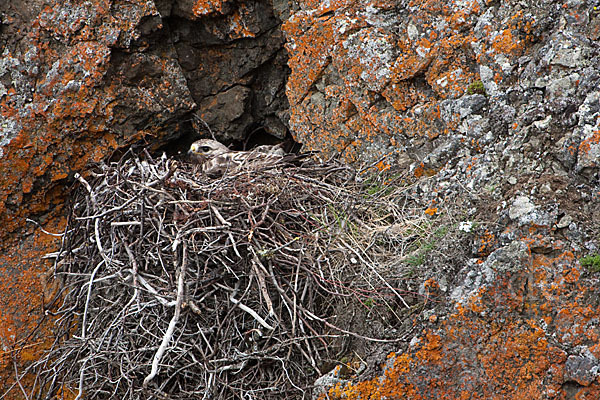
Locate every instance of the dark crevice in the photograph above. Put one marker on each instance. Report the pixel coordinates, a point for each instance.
(214, 64)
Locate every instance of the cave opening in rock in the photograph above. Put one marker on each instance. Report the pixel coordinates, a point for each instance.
(233, 78)
(236, 68)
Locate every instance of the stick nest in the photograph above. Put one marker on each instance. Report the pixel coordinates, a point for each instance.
(180, 286)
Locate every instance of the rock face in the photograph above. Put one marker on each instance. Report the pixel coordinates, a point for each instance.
(233, 59)
(492, 106)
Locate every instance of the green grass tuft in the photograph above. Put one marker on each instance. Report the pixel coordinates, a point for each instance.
(591, 262)
(476, 88)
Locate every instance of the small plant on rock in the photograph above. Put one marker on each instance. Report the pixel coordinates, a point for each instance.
(476, 88)
(591, 262)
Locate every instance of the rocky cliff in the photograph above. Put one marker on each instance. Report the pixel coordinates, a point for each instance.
(492, 106)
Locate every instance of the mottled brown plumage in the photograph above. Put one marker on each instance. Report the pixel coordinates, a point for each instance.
(215, 159)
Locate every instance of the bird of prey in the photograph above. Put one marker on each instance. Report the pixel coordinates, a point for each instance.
(216, 159)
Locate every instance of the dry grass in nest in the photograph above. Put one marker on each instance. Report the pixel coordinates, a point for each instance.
(179, 286)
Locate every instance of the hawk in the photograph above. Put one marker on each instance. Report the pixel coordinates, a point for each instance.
(216, 159)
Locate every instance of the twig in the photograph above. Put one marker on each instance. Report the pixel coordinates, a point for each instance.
(219, 216)
(260, 276)
(87, 186)
(42, 229)
(87, 299)
(372, 268)
(14, 362)
(247, 309)
(169, 333)
(80, 391)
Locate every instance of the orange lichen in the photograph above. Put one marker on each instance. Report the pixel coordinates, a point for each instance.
(505, 42)
(383, 166)
(571, 275)
(586, 145)
(431, 211)
(237, 22)
(390, 384)
(431, 283)
(205, 7)
(487, 242)
(346, 45)
(20, 266)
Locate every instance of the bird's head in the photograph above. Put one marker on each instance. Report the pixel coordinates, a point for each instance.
(207, 148)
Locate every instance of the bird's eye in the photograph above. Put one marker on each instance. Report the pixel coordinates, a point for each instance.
(205, 149)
